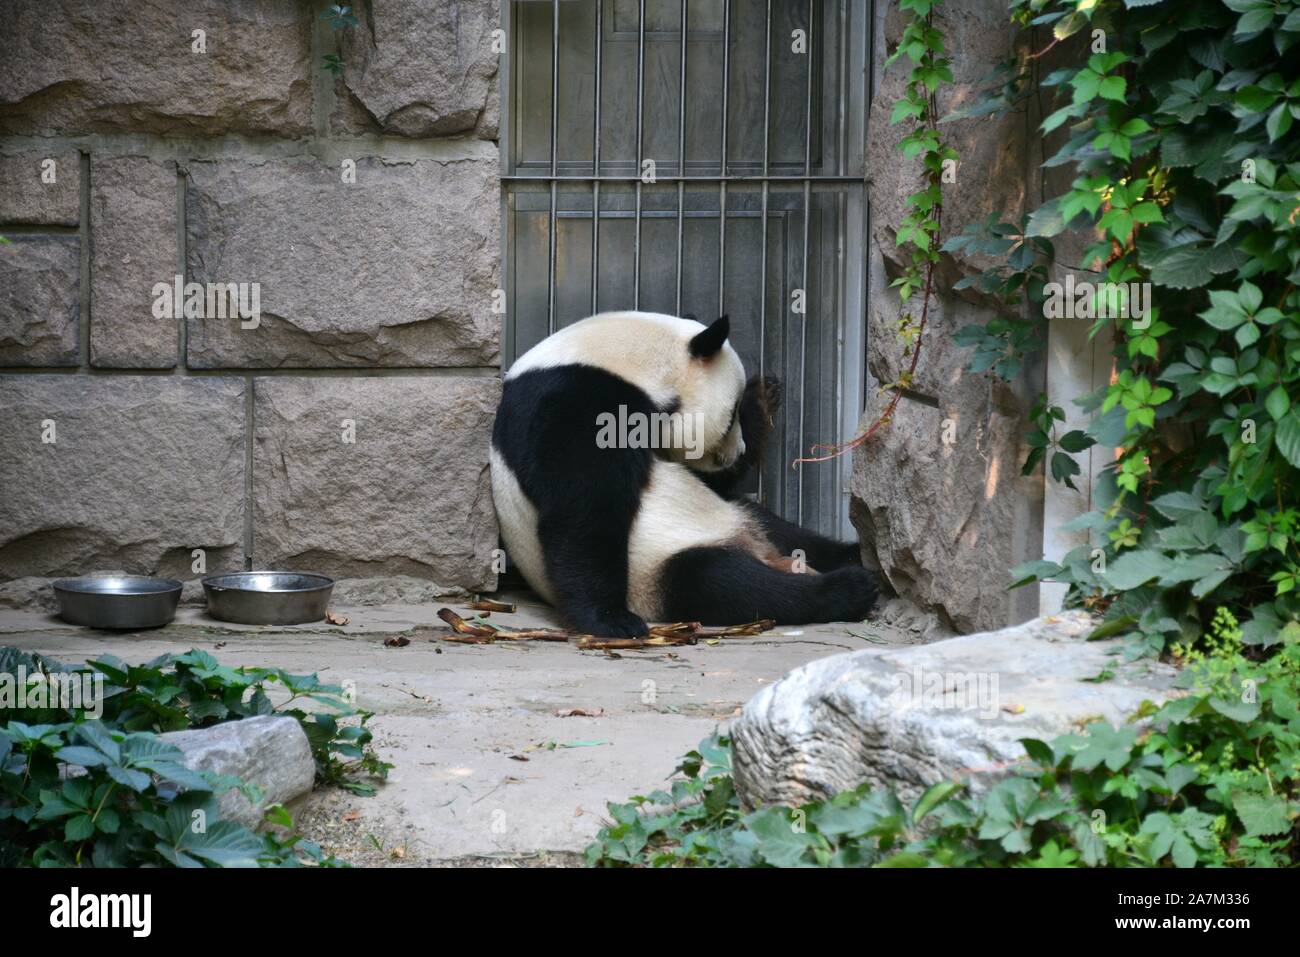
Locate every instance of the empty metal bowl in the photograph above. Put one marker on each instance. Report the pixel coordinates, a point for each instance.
(268, 598)
(121, 601)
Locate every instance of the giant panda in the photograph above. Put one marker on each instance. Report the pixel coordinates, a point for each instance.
(615, 535)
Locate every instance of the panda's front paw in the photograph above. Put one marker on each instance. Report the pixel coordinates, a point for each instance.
(610, 624)
(771, 394)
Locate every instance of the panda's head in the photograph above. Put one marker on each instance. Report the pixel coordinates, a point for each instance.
(709, 389)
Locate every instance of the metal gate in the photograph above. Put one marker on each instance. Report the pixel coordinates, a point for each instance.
(705, 157)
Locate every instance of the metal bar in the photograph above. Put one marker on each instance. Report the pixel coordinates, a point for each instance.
(839, 473)
(509, 326)
(807, 211)
(762, 229)
(722, 165)
(767, 120)
(773, 178)
(555, 111)
(681, 157)
(595, 172)
(640, 124)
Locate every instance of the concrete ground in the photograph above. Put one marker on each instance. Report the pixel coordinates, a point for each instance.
(484, 767)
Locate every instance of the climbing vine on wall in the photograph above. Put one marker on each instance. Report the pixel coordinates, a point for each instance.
(1177, 121)
(922, 44)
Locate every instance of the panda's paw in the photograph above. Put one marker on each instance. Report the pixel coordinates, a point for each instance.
(852, 593)
(771, 394)
(610, 624)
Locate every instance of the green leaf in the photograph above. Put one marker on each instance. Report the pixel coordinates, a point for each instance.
(1113, 88)
(78, 828)
(1237, 709)
(934, 795)
(1134, 568)
(1277, 403)
(1262, 814)
(1287, 438)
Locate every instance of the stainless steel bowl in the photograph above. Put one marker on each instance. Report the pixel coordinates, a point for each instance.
(268, 598)
(122, 601)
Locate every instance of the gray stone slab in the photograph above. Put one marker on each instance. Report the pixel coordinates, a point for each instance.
(102, 66)
(398, 268)
(40, 301)
(134, 247)
(409, 495)
(40, 189)
(142, 470)
(420, 71)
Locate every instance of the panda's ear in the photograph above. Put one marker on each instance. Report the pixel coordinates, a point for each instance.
(705, 345)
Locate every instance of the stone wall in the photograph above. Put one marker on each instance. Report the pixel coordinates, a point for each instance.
(343, 427)
(937, 495)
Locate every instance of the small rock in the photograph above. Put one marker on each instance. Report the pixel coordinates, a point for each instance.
(270, 752)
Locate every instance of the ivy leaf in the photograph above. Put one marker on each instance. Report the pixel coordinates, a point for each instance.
(778, 841)
(1277, 403)
(1236, 709)
(78, 828)
(1104, 744)
(1178, 836)
(1278, 122)
(1113, 88)
(1287, 438)
(1135, 568)
(1262, 814)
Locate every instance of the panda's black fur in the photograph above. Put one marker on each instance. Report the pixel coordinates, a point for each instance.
(581, 502)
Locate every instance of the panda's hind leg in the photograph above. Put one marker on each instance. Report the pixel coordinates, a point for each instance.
(728, 586)
(819, 552)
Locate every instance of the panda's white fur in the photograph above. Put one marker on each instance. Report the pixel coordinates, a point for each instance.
(649, 350)
(677, 511)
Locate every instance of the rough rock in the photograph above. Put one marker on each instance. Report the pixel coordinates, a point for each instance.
(133, 247)
(923, 626)
(409, 496)
(993, 150)
(142, 470)
(40, 301)
(909, 717)
(391, 590)
(27, 197)
(419, 71)
(423, 234)
(938, 499)
(103, 66)
(269, 752)
(32, 593)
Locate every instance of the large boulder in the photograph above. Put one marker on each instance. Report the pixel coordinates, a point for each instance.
(269, 752)
(937, 496)
(939, 503)
(911, 716)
